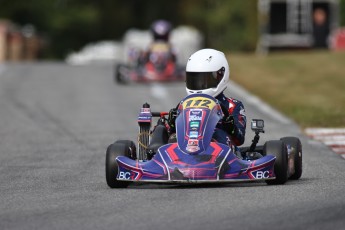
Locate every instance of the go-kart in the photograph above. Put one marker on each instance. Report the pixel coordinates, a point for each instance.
(193, 156)
(157, 66)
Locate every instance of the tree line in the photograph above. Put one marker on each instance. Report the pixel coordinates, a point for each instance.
(67, 25)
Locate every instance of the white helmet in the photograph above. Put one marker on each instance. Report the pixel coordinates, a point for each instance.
(207, 72)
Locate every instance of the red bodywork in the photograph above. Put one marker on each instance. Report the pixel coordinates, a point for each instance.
(157, 72)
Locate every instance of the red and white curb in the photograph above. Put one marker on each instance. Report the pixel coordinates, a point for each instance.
(334, 138)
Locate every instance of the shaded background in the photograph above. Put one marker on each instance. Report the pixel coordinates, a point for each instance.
(67, 25)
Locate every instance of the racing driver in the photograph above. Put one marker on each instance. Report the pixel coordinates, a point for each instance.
(207, 72)
(160, 31)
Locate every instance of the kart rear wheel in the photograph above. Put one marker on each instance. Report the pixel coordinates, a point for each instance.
(111, 166)
(278, 149)
(296, 145)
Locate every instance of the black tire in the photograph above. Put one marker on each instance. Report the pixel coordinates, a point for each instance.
(111, 166)
(278, 149)
(119, 77)
(296, 145)
(132, 153)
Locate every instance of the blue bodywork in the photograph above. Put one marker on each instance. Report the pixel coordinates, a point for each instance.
(195, 157)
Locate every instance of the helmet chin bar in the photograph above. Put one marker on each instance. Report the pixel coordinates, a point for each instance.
(192, 92)
(210, 92)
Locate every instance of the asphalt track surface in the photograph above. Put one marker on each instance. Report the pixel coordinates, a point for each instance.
(56, 122)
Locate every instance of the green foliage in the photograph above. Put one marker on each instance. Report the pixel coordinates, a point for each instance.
(342, 12)
(70, 24)
(226, 24)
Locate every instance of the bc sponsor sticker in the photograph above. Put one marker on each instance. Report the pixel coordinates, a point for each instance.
(261, 174)
(124, 175)
(127, 175)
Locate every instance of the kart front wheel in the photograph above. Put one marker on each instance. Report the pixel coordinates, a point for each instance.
(120, 78)
(111, 166)
(278, 149)
(296, 147)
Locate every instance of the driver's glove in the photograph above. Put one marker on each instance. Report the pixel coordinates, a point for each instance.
(172, 119)
(229, 124)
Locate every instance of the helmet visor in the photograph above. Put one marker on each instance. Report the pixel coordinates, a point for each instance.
(200, 81)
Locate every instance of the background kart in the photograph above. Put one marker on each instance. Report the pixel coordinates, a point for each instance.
(193, 157)
(159, 65)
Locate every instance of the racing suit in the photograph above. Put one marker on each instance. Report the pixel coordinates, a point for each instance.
(232, 128)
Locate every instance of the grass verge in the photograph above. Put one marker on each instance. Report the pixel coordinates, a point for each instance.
(308, 87)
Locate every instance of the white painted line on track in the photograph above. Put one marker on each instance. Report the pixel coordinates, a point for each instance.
(339, 150)
(332, 137)
(325, 131)
(332, 142)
